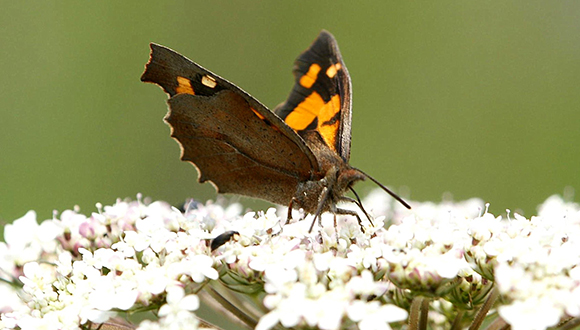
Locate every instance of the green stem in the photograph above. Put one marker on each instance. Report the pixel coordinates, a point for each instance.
(424, 315)
(415, 313)
(498, 324)
(239, 315)
(570, 324)
(457, 321)
(482, 313)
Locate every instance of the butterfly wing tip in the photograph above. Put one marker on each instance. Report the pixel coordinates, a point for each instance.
(146, 73)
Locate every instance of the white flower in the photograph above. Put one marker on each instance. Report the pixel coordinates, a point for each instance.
(38, 280)
(177, 312)
(198, 267)
(135, 240)
(26, 239)
(449, 264)
(11, 301)
(79, 269)
(374, 316)
(153, 279)
(328, 310)
(177, 302)
(531, 314)
(277, 277)
(64, 263)
(364, 258)
(111, 292)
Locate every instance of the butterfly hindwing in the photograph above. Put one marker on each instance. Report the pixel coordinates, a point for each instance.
(321, 97)
(219, 128)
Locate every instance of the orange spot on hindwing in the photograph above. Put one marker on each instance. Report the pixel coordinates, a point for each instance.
(184, 86)
(313, 107)
(329, 121)
(305, 113)
(332, 70)
(309, 78)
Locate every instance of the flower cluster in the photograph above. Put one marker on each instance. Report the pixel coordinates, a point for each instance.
(534, 262)
(75, 271)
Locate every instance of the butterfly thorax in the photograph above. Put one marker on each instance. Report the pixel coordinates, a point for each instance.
(334, 178)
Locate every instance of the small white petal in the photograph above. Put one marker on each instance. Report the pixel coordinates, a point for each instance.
(268, 321)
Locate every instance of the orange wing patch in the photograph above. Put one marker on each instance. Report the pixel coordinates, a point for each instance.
(305, 113)
(313, 107)
(333, 70)
(321, 97)
(184, 86)
(328, 122)
(262, 118)
(258, 114)
(309, 78)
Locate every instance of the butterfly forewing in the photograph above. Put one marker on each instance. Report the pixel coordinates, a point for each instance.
(321, 97)
(233, 140)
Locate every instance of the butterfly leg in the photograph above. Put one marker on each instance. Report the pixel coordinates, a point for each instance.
(336, 230)
(290, 206)
(359, 204)
(350, 212)
(323, 199)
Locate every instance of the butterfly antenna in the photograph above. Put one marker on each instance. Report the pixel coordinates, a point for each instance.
(395, 196)
(359, 204)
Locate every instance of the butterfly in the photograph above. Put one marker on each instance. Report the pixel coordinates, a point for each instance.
(297, 155)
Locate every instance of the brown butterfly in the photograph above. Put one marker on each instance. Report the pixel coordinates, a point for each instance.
(297, 156)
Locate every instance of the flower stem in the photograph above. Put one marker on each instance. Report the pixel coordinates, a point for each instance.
(457, 321)
(484, 309)
(424, 314)
(418, 314)
(498, 324)
(238, 315)
(570, 324)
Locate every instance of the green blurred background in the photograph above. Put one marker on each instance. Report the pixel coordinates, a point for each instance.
(473, 98)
